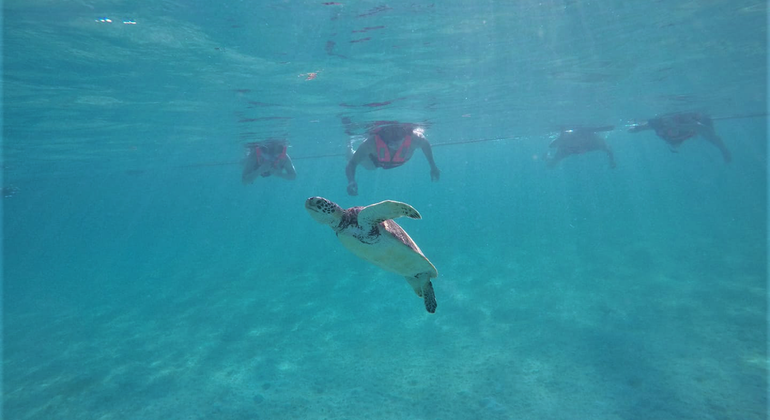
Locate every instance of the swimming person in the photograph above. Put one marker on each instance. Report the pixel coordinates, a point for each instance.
(675, 128)
(265, 159)
(576, 141)
(388, 145)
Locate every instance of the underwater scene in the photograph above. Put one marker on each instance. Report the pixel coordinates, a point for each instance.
(486, 210)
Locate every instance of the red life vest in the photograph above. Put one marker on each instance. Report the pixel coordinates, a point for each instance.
(384, 159)
(276, 161)
(671, 130)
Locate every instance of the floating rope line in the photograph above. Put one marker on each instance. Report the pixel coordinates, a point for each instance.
(449, 143)
(735, 117)
(319, 156)
(200, 165)
(452, 143)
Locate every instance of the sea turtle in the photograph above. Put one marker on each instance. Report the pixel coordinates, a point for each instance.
(371, 234)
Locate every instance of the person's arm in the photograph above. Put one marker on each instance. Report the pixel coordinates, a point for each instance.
(250, 172)
(424, 144)
(287, 169)
(552, 158)
(610, 155)
(350, 169)
(709, 134)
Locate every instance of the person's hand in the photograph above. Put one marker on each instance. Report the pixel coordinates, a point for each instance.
(613, 165)
(261, 169)
(435, 174)
(352, 188)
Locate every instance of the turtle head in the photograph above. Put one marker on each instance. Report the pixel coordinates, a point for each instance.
(324, 211)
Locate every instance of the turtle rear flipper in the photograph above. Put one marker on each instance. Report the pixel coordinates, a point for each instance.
(386, 210)
(429, 297)
(424, 289)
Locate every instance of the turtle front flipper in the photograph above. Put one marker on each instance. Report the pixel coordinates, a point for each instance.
(386, 210)
(424, 288)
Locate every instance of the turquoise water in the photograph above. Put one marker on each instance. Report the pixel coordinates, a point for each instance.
(142, 280)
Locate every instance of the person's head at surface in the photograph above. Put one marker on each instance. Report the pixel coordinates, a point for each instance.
(394, 132)
(274, 147)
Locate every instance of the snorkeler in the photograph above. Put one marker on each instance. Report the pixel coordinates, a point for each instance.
(675, 128)
(265, 159)
(10, 191)
(388, 145)
(576, 141)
